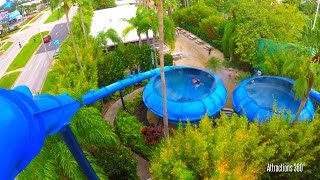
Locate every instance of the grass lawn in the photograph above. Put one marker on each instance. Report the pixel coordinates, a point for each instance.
(6, 46)
(55, 15)
(26, 27)
(49, 83)
(26, 52)
(5, 37)
(8, 80)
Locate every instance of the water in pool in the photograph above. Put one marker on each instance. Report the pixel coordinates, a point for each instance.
(268, 91)
(186, 84)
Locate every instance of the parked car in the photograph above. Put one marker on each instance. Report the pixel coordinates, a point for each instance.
(56, 52)
(47, 39)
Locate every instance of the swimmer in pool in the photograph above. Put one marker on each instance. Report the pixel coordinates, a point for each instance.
(197, 82)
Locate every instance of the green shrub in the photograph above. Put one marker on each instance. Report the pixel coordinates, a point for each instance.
(117, 162)
(192, 15)
(103, 4)
(145, 58)
(132, 104)
(236, 149)
(128, 128)
(210, 26)
(110, 69)
(214, 64)
(241, 76)
(196, 16)
(168, 60)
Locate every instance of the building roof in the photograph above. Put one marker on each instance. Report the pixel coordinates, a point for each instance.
(113, 18)
(31, 2)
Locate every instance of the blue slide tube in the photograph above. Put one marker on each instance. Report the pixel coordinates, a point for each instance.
(26, 120)
(92, 96)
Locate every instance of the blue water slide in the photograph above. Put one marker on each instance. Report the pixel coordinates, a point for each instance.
(94, 95)
(26, 120)
(186, 101)
(256, 97)
(315, 95)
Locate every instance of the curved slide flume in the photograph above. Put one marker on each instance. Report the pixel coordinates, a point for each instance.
(315, 95)
(26, 120)
(94, 95)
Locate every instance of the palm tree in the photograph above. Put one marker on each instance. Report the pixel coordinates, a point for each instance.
(308, 73)
(80, 3)
(66, 10)
(135, 23)
(170, 5)
(102, 38)
(169, 30)
(163, 80)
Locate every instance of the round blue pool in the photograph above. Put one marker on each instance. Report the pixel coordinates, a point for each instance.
(258, 97)
(191, 92)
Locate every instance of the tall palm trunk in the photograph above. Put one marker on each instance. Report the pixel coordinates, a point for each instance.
(83, 27)
(147, 34)
(106, 47)
(154, 48)
(65, 6)
(163, 80)
(303, 100)
(140, 41)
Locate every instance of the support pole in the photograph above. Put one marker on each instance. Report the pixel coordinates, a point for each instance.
(74, 147)
(122, 101)
(315, 18)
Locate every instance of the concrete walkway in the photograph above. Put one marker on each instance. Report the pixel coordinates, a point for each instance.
(143, 165)
(112, 112)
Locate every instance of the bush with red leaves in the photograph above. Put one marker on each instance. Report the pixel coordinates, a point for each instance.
(152, 134)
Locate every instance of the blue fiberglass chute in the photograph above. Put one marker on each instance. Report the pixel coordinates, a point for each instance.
(26, 120)
(257, 96)
(186, 100)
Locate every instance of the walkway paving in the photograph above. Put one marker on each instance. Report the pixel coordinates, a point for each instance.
(143, 165)
(111, 113)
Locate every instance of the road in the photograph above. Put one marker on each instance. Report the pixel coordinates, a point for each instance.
(24, 36)
(59, 32)
(35, 72)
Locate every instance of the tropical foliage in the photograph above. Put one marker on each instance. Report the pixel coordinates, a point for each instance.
(271, 21)
(146, 20)
(97, 138)
(128, 128)
(298, 63)
(102, 4)
(235, 149)
(112, 66)
(200, 19)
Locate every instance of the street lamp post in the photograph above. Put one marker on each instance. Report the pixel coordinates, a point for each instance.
(45, 48)
(315, 18)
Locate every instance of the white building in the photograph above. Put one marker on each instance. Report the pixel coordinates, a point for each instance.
(113, 18)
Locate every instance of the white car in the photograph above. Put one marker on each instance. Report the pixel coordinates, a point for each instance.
(56, 52)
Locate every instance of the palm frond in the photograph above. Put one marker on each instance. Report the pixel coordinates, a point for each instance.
(126, 31)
